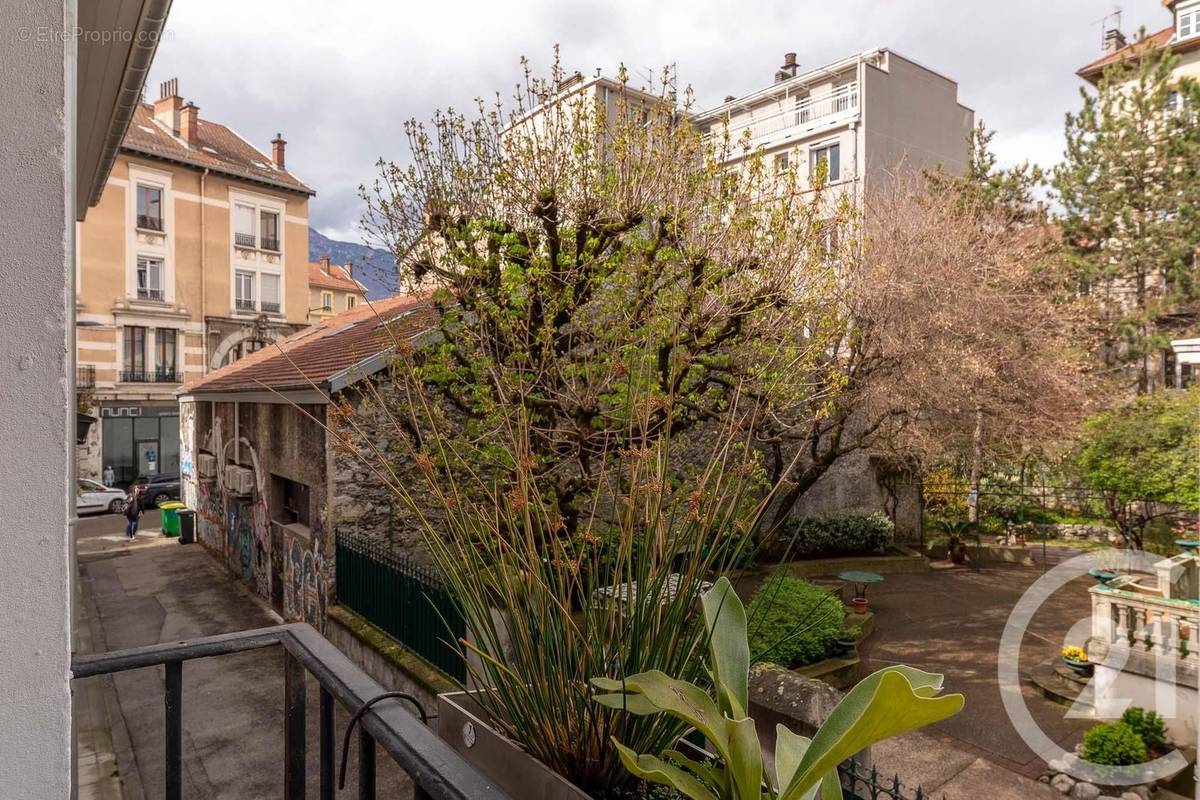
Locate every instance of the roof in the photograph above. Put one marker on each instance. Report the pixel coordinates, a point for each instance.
(217, 148)
(1134, 50)
(329, 355)
(324, 275)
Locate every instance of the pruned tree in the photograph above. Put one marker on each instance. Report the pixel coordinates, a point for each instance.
(588, 249)
(1130, 190)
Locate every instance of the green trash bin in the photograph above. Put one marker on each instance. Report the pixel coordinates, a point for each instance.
(170, 517)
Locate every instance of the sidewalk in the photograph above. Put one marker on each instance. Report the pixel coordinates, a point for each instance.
(154, 590)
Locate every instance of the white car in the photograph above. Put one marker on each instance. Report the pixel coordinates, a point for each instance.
(91, 497)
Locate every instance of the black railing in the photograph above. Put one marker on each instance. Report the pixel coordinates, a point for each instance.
(270, 243)
(269, 308)
(161, 375)
(85, 376)
(437, 771)
(244, 304)
(860, 782)
(150, 294)
(245, 240)
(405, 600)
(150, 223)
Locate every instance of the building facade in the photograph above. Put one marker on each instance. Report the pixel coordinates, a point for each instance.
(332, 289)
(195, 255)
(866, 115)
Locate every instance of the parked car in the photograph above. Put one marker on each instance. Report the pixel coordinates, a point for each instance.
(92, 497)
(154, 489)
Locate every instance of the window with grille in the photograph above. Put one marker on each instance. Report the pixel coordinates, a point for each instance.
(166, 341)
(269, 230)
(135, 353)
(243, 226)
(270, 292)
(149, 207)
(243, 287)
(149, 278)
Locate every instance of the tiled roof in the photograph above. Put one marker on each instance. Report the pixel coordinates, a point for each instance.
(331, 276)
(217, 147)
(1133, 50)
(319, 352)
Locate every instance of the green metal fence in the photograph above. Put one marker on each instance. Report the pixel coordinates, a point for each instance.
(406, 600)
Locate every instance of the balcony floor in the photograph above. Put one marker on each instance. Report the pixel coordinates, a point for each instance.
(154, 591)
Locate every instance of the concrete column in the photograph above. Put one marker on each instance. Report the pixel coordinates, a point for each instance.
(37, 397)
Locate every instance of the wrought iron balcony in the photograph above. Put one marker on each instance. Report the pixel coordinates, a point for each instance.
(245, 240)
(270, 243)
(269, 308)
(85, 376)
(150, 222)
(437, 771)
(150, 294)
(160, 375)
(244, 304)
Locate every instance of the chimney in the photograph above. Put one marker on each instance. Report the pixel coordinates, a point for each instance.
(168, 105)
(789, 65)
(277, 147)
(189, 129)
(729, 98)
(1114, 40)
(325, 265)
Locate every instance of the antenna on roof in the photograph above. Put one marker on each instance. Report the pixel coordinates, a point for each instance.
(1113, 17)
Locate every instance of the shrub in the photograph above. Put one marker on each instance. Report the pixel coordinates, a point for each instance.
(849, 534)
(792, 622)
(1114, 744)
(1148, 725)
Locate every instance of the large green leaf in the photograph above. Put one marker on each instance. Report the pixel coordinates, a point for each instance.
(680, 699)
(712, 773)
(887, 703)
(789, 749)
(658, 771)
(744, 762)
(729, 651)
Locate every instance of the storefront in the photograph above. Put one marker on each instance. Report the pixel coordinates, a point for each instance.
(139, 440)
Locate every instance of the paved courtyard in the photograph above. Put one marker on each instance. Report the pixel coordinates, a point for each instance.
(155, 590)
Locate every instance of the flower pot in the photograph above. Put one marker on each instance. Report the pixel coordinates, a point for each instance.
(1082, 668)
(859, 604)
(843, 648)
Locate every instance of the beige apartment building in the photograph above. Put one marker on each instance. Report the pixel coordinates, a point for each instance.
(195, 254)
(866, 115)
(332, 289)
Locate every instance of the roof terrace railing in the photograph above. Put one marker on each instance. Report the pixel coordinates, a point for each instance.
(437, 771)
(795, 117)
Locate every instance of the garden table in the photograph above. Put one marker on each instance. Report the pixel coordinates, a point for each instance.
(1189, 545)
(627, 593)
(860, 580)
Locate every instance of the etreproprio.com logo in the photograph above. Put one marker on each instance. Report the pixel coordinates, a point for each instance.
(1114, 659)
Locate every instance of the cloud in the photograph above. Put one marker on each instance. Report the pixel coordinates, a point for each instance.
(339, 80)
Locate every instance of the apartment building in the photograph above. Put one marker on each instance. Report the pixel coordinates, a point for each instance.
(195, 255)
(332, 289)
(866, 115)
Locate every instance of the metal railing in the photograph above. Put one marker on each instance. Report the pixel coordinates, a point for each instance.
(407, 601)
(866, 783)
(245, 240)
(162, 375)
(85, 376)
(437, 771)
(269, 308)
(806, 115)
(244, 304)
(149, 222)
(150, 294)
(270, 243)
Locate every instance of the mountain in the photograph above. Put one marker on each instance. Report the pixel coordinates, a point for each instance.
(375, 269)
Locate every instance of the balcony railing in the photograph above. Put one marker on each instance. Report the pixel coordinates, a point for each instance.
(245, 240)
(807, 115)
(244, 304)
(150, 294)
(437, 771)
(161, 375)
(149, 222)
(270, 243)
(85, 376)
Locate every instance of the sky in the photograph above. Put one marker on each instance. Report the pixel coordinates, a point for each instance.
(338, 79)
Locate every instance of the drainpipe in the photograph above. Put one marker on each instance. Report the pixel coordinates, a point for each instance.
(203, 282)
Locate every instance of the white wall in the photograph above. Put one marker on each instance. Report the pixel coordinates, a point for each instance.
(36, 400)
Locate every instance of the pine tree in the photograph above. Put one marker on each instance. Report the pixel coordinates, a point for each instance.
(1130, 191)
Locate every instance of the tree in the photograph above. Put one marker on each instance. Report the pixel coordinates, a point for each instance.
(591, 258)
(1142, 457)
(1130, 189)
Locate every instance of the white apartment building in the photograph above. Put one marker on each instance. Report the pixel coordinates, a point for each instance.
(867, 114)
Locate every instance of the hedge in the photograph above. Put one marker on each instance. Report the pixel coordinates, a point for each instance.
(793, 622)
(849, 534)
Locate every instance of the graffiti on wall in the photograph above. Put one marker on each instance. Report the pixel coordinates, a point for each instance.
(305, 578)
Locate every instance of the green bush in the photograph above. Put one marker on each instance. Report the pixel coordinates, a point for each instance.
(1113, 744)
(849, 534)
(792, 622)
(1148, 725)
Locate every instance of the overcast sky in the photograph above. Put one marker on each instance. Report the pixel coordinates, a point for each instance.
(339, 79)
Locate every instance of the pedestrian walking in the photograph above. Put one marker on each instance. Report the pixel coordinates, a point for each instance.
(109, 476)
(133, 511)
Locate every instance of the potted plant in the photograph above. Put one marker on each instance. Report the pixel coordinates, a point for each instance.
(845, 645)
(956, 531)
(1077, 659)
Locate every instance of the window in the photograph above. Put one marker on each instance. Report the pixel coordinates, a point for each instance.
(270, 293)
(243, 287)
(269, 230)
(1188, 22)
(828, 240)
(781, 162)
(243, 226)
(327, 301)
(832, 155)
(350, 301)
(135, 354)
(165, 341)
(149, 278)
(149, 207)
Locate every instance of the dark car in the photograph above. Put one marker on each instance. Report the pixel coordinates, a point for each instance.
(155, 489)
